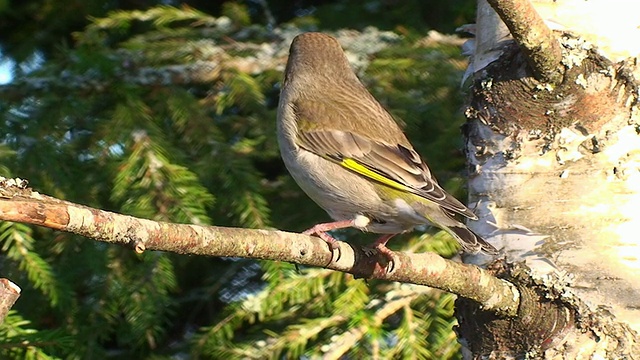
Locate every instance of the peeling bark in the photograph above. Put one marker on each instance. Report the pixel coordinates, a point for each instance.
(556, 179)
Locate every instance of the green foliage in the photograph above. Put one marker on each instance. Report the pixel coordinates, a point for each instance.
(19, 341)
(318, 312)
(403, 16)
(18, 246)
(238, 13)
(34, 29)
(169, 113)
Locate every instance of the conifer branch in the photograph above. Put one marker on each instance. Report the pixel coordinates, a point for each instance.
(18, 203)
(201, 72)
(350, 338)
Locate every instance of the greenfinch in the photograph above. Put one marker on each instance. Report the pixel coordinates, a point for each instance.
(350, 156)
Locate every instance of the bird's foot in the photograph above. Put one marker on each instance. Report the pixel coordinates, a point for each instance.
(380, 247)
(333, 243)
(320, 231)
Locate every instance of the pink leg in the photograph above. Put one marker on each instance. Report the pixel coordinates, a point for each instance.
(380, 246)
(321, 229)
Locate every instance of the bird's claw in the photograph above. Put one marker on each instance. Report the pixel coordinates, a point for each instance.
(384, 251)
(333, 243)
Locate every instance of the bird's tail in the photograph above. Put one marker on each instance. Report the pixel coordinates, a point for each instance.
(470, 241)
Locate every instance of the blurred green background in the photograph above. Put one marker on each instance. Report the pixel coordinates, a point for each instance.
(166, 110)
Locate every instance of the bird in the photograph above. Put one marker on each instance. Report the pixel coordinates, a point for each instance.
(350, 156)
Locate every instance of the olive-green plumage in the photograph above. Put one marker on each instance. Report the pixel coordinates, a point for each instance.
(350, 156)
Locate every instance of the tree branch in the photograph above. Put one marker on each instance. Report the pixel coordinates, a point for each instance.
(9, 294)
(537, 41)
(20, 204)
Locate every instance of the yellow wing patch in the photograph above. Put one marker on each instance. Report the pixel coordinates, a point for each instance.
(364, 171)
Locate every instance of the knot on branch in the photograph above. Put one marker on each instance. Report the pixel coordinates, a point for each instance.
(511, 101)
(542, 321)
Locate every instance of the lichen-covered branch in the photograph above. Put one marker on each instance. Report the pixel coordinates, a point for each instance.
(537, 41)
(20, 204)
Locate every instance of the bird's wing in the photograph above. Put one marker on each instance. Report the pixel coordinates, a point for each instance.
(393, 165)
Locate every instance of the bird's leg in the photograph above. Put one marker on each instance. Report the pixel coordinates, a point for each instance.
(321, 231)
(380, 247)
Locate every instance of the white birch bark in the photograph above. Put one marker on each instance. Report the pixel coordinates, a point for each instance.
(560, 188)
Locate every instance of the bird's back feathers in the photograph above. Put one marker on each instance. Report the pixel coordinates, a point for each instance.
(391, 165)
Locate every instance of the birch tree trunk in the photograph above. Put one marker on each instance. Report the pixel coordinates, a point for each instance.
(555, 172)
